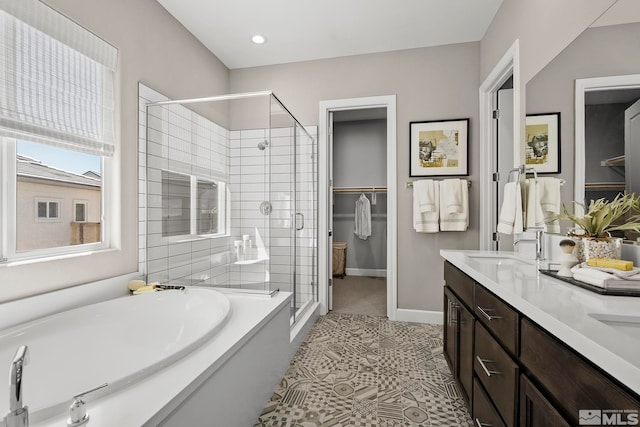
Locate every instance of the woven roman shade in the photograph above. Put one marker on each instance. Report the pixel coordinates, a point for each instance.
(56, 80)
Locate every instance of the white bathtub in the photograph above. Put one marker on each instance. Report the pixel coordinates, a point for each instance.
(116, 342)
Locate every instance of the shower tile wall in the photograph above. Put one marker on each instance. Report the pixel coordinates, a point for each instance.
(249, 185)
(183, 142)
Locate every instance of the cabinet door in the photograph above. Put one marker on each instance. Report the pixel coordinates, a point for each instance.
(450, 331)
(535, 409)
(465, 350)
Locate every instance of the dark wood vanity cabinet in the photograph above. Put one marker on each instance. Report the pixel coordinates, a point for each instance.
(459, 329)
(513, 372)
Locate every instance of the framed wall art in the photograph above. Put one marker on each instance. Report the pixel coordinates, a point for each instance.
(439, 148)
(542, 144)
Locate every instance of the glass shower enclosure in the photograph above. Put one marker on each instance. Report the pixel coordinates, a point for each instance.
(231, 196)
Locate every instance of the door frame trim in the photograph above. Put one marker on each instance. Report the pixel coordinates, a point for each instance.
(388, 102)
(508, 65)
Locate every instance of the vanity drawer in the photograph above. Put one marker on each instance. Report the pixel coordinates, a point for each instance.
(572, 383)
(483, 411)
(459, 283)
(498, 373)
(498, 317)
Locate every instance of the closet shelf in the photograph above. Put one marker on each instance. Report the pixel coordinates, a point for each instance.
(604, 185)
(360, 189)
(617, 161)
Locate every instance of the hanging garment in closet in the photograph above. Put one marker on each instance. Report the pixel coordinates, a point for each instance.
(363, 218)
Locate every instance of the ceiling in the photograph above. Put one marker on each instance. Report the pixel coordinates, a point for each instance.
(303, 30)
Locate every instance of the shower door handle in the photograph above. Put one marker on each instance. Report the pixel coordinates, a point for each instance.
(302, 221)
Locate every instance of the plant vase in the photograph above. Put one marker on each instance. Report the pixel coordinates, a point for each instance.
(601, 247)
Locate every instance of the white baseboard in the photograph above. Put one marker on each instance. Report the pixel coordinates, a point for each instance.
(419, 316)
(378, 272)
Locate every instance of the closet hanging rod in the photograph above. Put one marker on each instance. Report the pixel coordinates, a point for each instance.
(360, 189)
(410, 183)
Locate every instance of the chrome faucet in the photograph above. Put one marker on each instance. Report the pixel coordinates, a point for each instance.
(18, 415)
(538, 241)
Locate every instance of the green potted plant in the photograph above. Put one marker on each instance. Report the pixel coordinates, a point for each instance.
(593, 236)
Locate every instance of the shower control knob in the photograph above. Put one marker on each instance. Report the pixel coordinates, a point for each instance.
(265, 208)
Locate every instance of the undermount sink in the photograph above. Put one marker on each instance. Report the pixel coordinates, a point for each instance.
(626, 324)
(497, 259)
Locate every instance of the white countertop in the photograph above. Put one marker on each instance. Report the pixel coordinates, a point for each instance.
(562, 309)
(136, 404)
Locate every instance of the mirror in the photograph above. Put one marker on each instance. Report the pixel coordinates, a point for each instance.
(590, 151)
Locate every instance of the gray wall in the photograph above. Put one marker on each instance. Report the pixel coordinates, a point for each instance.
(430, 84)
(360, 153)
(553, 88)
(543, 28)
(155, 49)
(360, 159)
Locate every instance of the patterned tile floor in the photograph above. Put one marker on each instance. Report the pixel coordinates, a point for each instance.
(366, 371)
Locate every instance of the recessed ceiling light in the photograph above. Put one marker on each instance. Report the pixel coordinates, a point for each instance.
(258, 39)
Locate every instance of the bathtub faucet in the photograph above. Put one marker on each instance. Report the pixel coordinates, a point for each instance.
(18, 415)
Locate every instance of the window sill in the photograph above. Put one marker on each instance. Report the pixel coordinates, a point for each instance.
(48, 258)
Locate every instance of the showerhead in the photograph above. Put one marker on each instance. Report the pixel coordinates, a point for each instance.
(263, 144)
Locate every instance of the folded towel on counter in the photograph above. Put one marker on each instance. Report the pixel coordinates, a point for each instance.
(450, 220)
(362, 224)
(593, 277)
(550, 201)
(596, 277)
(426, 191)
(633, 274)
(424, 220)
(510, 220)
(535, 217)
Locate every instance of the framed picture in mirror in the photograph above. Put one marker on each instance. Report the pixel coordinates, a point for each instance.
(439, 148)
(542, 145)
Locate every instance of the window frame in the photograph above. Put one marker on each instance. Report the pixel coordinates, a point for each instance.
(8, 213)
(84, 203)
(223, 205)
(48, 201)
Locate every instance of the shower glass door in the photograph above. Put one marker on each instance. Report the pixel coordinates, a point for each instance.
(294, 196)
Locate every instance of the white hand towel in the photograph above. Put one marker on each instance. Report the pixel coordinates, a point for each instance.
(427, 195)
(451, 196)
(633, 274)
(535, 217)
(423, 221)
(510, 221)
(591, 276)
(450, 221)
(550, 202)
(363, 218)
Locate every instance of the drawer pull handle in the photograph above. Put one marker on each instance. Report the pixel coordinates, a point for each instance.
(479, 424)
(484, 367)
(487, 315)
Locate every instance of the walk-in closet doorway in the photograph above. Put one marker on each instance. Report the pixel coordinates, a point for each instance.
(359, 176)
(360, 210)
